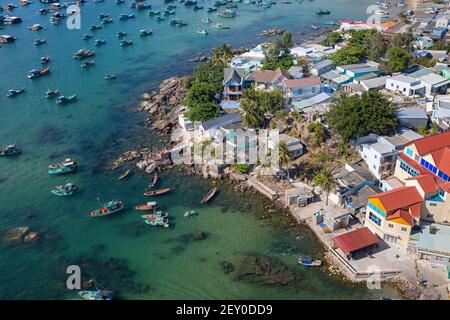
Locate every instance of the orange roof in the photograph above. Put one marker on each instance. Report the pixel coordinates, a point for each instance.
(441, 158)
(399, 198)
(429, 144)
(402, 214)
(388, 24)
(428, 182)
(445, 186)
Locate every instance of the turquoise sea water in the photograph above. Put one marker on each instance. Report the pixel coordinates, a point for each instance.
(148, 263)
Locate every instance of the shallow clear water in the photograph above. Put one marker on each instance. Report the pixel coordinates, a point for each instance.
(100, 125)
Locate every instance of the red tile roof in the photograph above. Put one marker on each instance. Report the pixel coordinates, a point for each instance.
(399, 198)
(441, 158)
(355, 240)
(445, 186)
(428, 182)
(414, 210)
(413, 163)
(403, 214)
(428, 144)
(302, 82)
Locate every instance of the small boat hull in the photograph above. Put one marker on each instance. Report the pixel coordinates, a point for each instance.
(156, 192)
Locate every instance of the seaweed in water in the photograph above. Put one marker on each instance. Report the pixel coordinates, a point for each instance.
(50, 135)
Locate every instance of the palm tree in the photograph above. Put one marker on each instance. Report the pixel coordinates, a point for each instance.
(326, 181)
(222, 54)
(251, 115)
(284, 155)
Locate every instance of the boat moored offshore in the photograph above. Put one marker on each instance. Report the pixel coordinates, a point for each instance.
(10, 150)
(68, 165)
(107, 209)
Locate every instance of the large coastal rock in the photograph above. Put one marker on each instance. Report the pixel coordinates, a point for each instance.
(266, 270)
(272, 32)
(18, 235)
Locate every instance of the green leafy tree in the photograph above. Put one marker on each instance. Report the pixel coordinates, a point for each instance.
(375, 46)
(317, 131)
(398, 59)
(404, 40)
(332, 38)
(358, 37)
(287, 40)
(348, 55)
(284, 155)
(252, 116)
(222, 55)
(326, 181)
(276, 56)
(203, 111)
(356, 116)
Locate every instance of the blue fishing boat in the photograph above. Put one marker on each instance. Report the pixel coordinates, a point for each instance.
(87, 36)
(68, 165)
(10, 150)
(38, 42)
(99, 42)
(322, 12)
(154, 13)
(12, 92)
(144, 32)
(64, 190)
(107, 21)
(51, 93)
(102, 16)
(309, 262)
(121, 34)
(66, 100)
(36, 73)
(127, 16)
(211, 9)
(126, 43)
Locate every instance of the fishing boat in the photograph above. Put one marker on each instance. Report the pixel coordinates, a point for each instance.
(109, 76)
(126, 16)
(43, 11)
(99, 42)
(154, 13)
(227, 14)
(87, 36)
(211, 9)
(36, 73)
(45, 59)
(68, 165)
(206, 20)
(10, 150)
(65, 100)
(107, 21)
(95, 27)
(162, 221)
(83, 53)
(190, 2)
(144, 32)
(120, 1)
(126, 43)
(87, 63)
(159, 19)
(197, 7)
(38, 42)
(203, 32)
(156, 192)
(231, 5)
(147, 206)
(322, 12)
(51, 93)
(124, 175)
(309, 262)
(211, 193)
(102, 16)
(141, 5)
(219, 3)
(36, 27)
(190, 213)
(65, 190)
(219, 26)
(157, 214)
(107, 209)
(13, 92)
(178, 22)
(121, 34)
(171, 6)
(168, 12)
(154, 181)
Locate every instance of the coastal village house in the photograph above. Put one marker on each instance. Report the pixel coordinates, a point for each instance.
(234, 82)
(424, 169)
(298, 89)
(406, 85)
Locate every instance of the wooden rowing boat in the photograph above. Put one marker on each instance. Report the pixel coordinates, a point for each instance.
(154, 180)
(156, 192)
(124, 175)
(147, 206)
(209, 195)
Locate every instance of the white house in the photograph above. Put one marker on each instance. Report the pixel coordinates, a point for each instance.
(296, 89)
(434, 83)
(412, 117)
(408, 86)
(379, 152)
(322, 67)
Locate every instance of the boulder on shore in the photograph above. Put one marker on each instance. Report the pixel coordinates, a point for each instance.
(16, 235)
